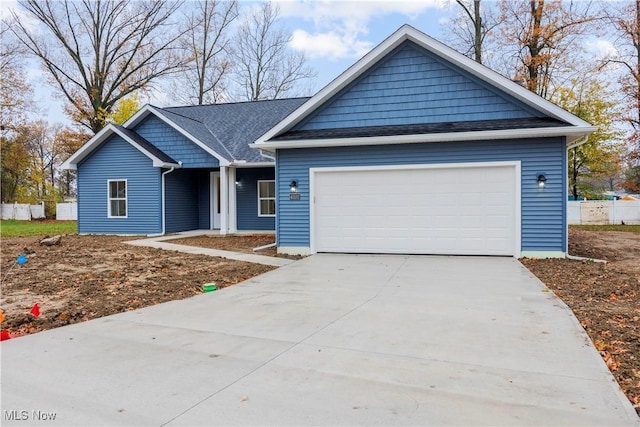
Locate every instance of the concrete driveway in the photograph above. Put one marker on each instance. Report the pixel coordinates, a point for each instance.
(329, 340)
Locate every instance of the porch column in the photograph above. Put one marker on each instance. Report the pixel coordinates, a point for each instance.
(233, 227)
(224, 200)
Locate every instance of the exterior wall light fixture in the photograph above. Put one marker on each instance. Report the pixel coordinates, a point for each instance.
(542, 181)
(293, 187)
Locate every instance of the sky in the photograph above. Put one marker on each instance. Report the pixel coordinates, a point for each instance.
(334, 34)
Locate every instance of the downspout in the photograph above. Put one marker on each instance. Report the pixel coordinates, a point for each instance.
(578, 142)
(268, 156)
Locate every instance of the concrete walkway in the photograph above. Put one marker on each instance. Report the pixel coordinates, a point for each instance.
(163, 242)
(328, 340)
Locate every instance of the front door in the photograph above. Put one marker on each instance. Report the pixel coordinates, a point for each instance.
(215, 200)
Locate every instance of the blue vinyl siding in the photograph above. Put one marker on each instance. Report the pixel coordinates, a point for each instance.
(413, 86)
(174, 144)
(182, 201)
(117, 159)
(543, 225)
(247, 199)
(204, 200)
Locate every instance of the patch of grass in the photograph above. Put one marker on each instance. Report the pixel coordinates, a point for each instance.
(628, 228)
(13, 228)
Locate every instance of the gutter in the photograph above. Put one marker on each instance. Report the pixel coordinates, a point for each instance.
(566, 131)
(243, 164)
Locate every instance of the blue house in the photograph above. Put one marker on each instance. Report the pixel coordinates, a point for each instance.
(182, 168)
(413, 149)
(418, 149)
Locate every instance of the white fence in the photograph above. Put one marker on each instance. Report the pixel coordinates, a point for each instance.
(598, 212)
(67, 211)
(22, 211)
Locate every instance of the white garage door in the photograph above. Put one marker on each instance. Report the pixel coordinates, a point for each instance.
(464, 210)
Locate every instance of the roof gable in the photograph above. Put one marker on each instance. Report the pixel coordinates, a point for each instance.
(158, 157)
(500, 86)
(412, 86)
(174, 122)
(168, 139)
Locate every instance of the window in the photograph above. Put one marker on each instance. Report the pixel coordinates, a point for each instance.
(266, 198)
(117, 198)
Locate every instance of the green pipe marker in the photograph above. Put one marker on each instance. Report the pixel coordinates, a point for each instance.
(209, 287)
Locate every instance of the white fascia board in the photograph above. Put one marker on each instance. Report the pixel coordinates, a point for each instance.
(205, 147)
(407, 32)
(571, 132)
(138, 116)
(252, 165)
(72, 162)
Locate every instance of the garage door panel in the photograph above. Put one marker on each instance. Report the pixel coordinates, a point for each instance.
(458, 210)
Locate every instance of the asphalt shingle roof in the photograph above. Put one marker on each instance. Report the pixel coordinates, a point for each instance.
(229, 128)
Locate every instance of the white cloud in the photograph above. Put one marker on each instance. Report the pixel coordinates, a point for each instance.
(9, 6)
(340, 28)
(330, 45)
(601, 48)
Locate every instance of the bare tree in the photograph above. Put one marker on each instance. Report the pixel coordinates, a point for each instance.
(625, 19)
(97, 52)
(546, 36)
(265, 66)
(15, 94)
(207, 44)
(471, 27)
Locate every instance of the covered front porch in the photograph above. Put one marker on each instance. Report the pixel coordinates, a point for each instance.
(228, 199)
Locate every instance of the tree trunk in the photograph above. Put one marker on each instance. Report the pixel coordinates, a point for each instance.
(477, 41)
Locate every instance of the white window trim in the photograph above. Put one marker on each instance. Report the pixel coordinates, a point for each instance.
(261, 215)
(109, 199)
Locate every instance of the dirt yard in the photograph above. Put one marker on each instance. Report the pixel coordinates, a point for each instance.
(86, 277)
(92, 276)
(604, 297)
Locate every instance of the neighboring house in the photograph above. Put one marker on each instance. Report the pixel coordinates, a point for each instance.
(418, 149)
(178, 169)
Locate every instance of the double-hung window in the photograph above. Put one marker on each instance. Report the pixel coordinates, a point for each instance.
(117, 195)
(266, 198)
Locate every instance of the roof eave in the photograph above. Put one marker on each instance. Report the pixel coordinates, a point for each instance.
(570, 132)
